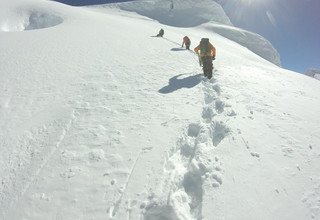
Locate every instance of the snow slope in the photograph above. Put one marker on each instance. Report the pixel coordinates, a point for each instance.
(190, 13)
(100, 123)
(179, 13)
(314, 73)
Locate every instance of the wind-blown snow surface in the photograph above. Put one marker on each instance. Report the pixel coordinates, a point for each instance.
(101, 121)
(190, 13)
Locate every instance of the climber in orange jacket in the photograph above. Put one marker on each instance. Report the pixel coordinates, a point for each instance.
(206, 52)
(205, 48)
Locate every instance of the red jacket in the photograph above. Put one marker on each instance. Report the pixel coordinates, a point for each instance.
(186, 40)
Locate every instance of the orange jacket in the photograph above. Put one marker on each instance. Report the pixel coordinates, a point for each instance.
(211, 52)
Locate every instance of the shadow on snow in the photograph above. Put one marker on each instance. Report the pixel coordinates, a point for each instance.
(175, 83)
(177, 49)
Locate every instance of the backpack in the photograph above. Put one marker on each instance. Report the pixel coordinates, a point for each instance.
(186, 40)
(204, 45)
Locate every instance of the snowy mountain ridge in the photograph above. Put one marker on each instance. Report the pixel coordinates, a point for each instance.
(178, 13)
(99, 120)
(191, 13)
(314, 73)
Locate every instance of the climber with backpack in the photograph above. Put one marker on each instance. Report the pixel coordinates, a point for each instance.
(161, 33)
(187, 42)
(206, 52)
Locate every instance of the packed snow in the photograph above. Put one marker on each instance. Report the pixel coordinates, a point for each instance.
(99, 120)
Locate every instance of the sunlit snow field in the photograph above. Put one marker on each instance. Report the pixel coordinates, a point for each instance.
(99, 120)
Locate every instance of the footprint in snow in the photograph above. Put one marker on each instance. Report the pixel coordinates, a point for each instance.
(231, 113)
(219, 106)
(70, 172)
(216, 88)
(207, 114)
(218, 132)
(194, 129)
(147, 149)
(216, 179)
(287, 151)
(255, 154)
(96, 155)
(209, 98)
(160, 212)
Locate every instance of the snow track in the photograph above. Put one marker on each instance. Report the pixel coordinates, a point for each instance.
(192, 165)
(113, 209)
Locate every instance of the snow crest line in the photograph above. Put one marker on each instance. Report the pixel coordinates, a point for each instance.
(192, 166)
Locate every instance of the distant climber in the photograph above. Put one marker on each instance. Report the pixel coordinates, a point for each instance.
(187, 42)
(171, 5)
(161, 33)
(206, 52)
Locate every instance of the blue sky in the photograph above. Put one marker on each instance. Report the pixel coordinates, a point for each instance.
(292, 26)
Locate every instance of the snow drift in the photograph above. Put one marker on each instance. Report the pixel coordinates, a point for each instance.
(24, 17)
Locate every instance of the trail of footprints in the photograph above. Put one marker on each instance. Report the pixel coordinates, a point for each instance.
(192, 165)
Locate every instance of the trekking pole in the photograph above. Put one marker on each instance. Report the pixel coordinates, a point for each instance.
(200, 61)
